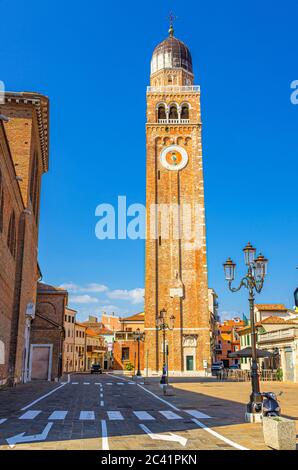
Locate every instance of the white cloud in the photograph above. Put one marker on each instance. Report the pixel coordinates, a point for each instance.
(93, 287)
(134, 296)
(75, 288)
(83, 299)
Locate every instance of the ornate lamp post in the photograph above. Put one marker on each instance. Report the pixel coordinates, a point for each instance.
(138, 336)
(163, 326)
(253, 281)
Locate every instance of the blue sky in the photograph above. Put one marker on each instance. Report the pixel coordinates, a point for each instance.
(92, 60)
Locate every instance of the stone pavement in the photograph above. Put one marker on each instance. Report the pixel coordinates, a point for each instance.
(225, 401)
(113, 412)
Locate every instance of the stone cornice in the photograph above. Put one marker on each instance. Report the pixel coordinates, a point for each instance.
(41, 106)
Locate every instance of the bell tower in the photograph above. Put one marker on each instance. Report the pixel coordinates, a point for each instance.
(176, 266)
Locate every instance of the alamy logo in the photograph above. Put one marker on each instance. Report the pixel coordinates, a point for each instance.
(164, 221)
(294, 94)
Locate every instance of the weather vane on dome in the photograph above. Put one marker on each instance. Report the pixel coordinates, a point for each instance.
(171, 18)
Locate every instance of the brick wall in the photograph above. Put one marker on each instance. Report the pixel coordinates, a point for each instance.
(170, 262)
(28, 150)
(48, 325)
(131, 347)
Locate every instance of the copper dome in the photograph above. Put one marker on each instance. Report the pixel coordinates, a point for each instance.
(171, 54)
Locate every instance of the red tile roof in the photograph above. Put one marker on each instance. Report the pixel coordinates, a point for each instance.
(271, 307)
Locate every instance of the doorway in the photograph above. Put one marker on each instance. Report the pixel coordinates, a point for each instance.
(40, 362)
(189, 363)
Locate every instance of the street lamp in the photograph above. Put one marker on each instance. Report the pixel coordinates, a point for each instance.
(253, 281)
(163, 326)
(138, 336)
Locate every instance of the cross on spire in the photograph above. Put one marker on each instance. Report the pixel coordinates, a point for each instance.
(171, 18)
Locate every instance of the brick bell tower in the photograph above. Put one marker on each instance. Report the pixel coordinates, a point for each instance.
(176, 266)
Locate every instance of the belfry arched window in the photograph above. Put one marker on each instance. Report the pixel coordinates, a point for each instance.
(1, 203)
(173, 114)
(161, 112)
(11, 237)
(184, 111)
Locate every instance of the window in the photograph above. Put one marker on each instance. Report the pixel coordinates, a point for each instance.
(34, 185)
(1, 202)
(173, 112)
(125, 354)
(161, 113)
(11, 237)
(184, 112)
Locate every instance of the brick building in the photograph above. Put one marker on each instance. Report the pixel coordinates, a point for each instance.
(176, 266)
(125, 346)
(47, 333)
(23, 160)
(228, 340)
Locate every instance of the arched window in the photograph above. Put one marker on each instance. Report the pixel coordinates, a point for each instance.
(34, 185)
(1, 202)
(11, 237)
(161, 112)
(173, 112)
(184, 112)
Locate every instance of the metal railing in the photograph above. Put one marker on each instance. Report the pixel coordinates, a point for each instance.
(245, 375)
(174, 89)
(173, 121)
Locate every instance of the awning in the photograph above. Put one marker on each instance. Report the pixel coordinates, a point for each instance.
(246, 352)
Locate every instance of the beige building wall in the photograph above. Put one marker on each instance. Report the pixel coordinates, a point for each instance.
(69, 341)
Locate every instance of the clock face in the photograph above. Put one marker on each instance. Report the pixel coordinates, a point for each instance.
(174, 157)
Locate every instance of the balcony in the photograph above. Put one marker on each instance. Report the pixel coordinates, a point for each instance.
(173, 89)
(95, 349)
(287, 334)
(124, 336)
(173, 121)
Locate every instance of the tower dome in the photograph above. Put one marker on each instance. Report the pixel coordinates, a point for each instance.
(171, 54)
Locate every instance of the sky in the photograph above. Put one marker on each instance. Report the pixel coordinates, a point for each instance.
(93, 61)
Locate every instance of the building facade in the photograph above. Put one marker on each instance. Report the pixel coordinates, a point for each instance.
(80, 347)
(47, 334)
(126, 346)
(69, 341)
(23, 160)
(95, 349)
(228, 340)
(176, 266)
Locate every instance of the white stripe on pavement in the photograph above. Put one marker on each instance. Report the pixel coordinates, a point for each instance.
(31, 414)
(158, 398)
(109, 383)
(102, 403)
(131, 383)
(104, 432)
(74, 383)
(219, 436)
(42, 397)
(87, 415)
(120, 383)
(3, 420)
(143, 416)
(170, 414)
(58, 415)
(86, 383)
(197, 414)
(115, 415)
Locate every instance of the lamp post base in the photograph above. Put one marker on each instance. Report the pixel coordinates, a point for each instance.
(163, 380)
(253, 417)
(254, 408)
